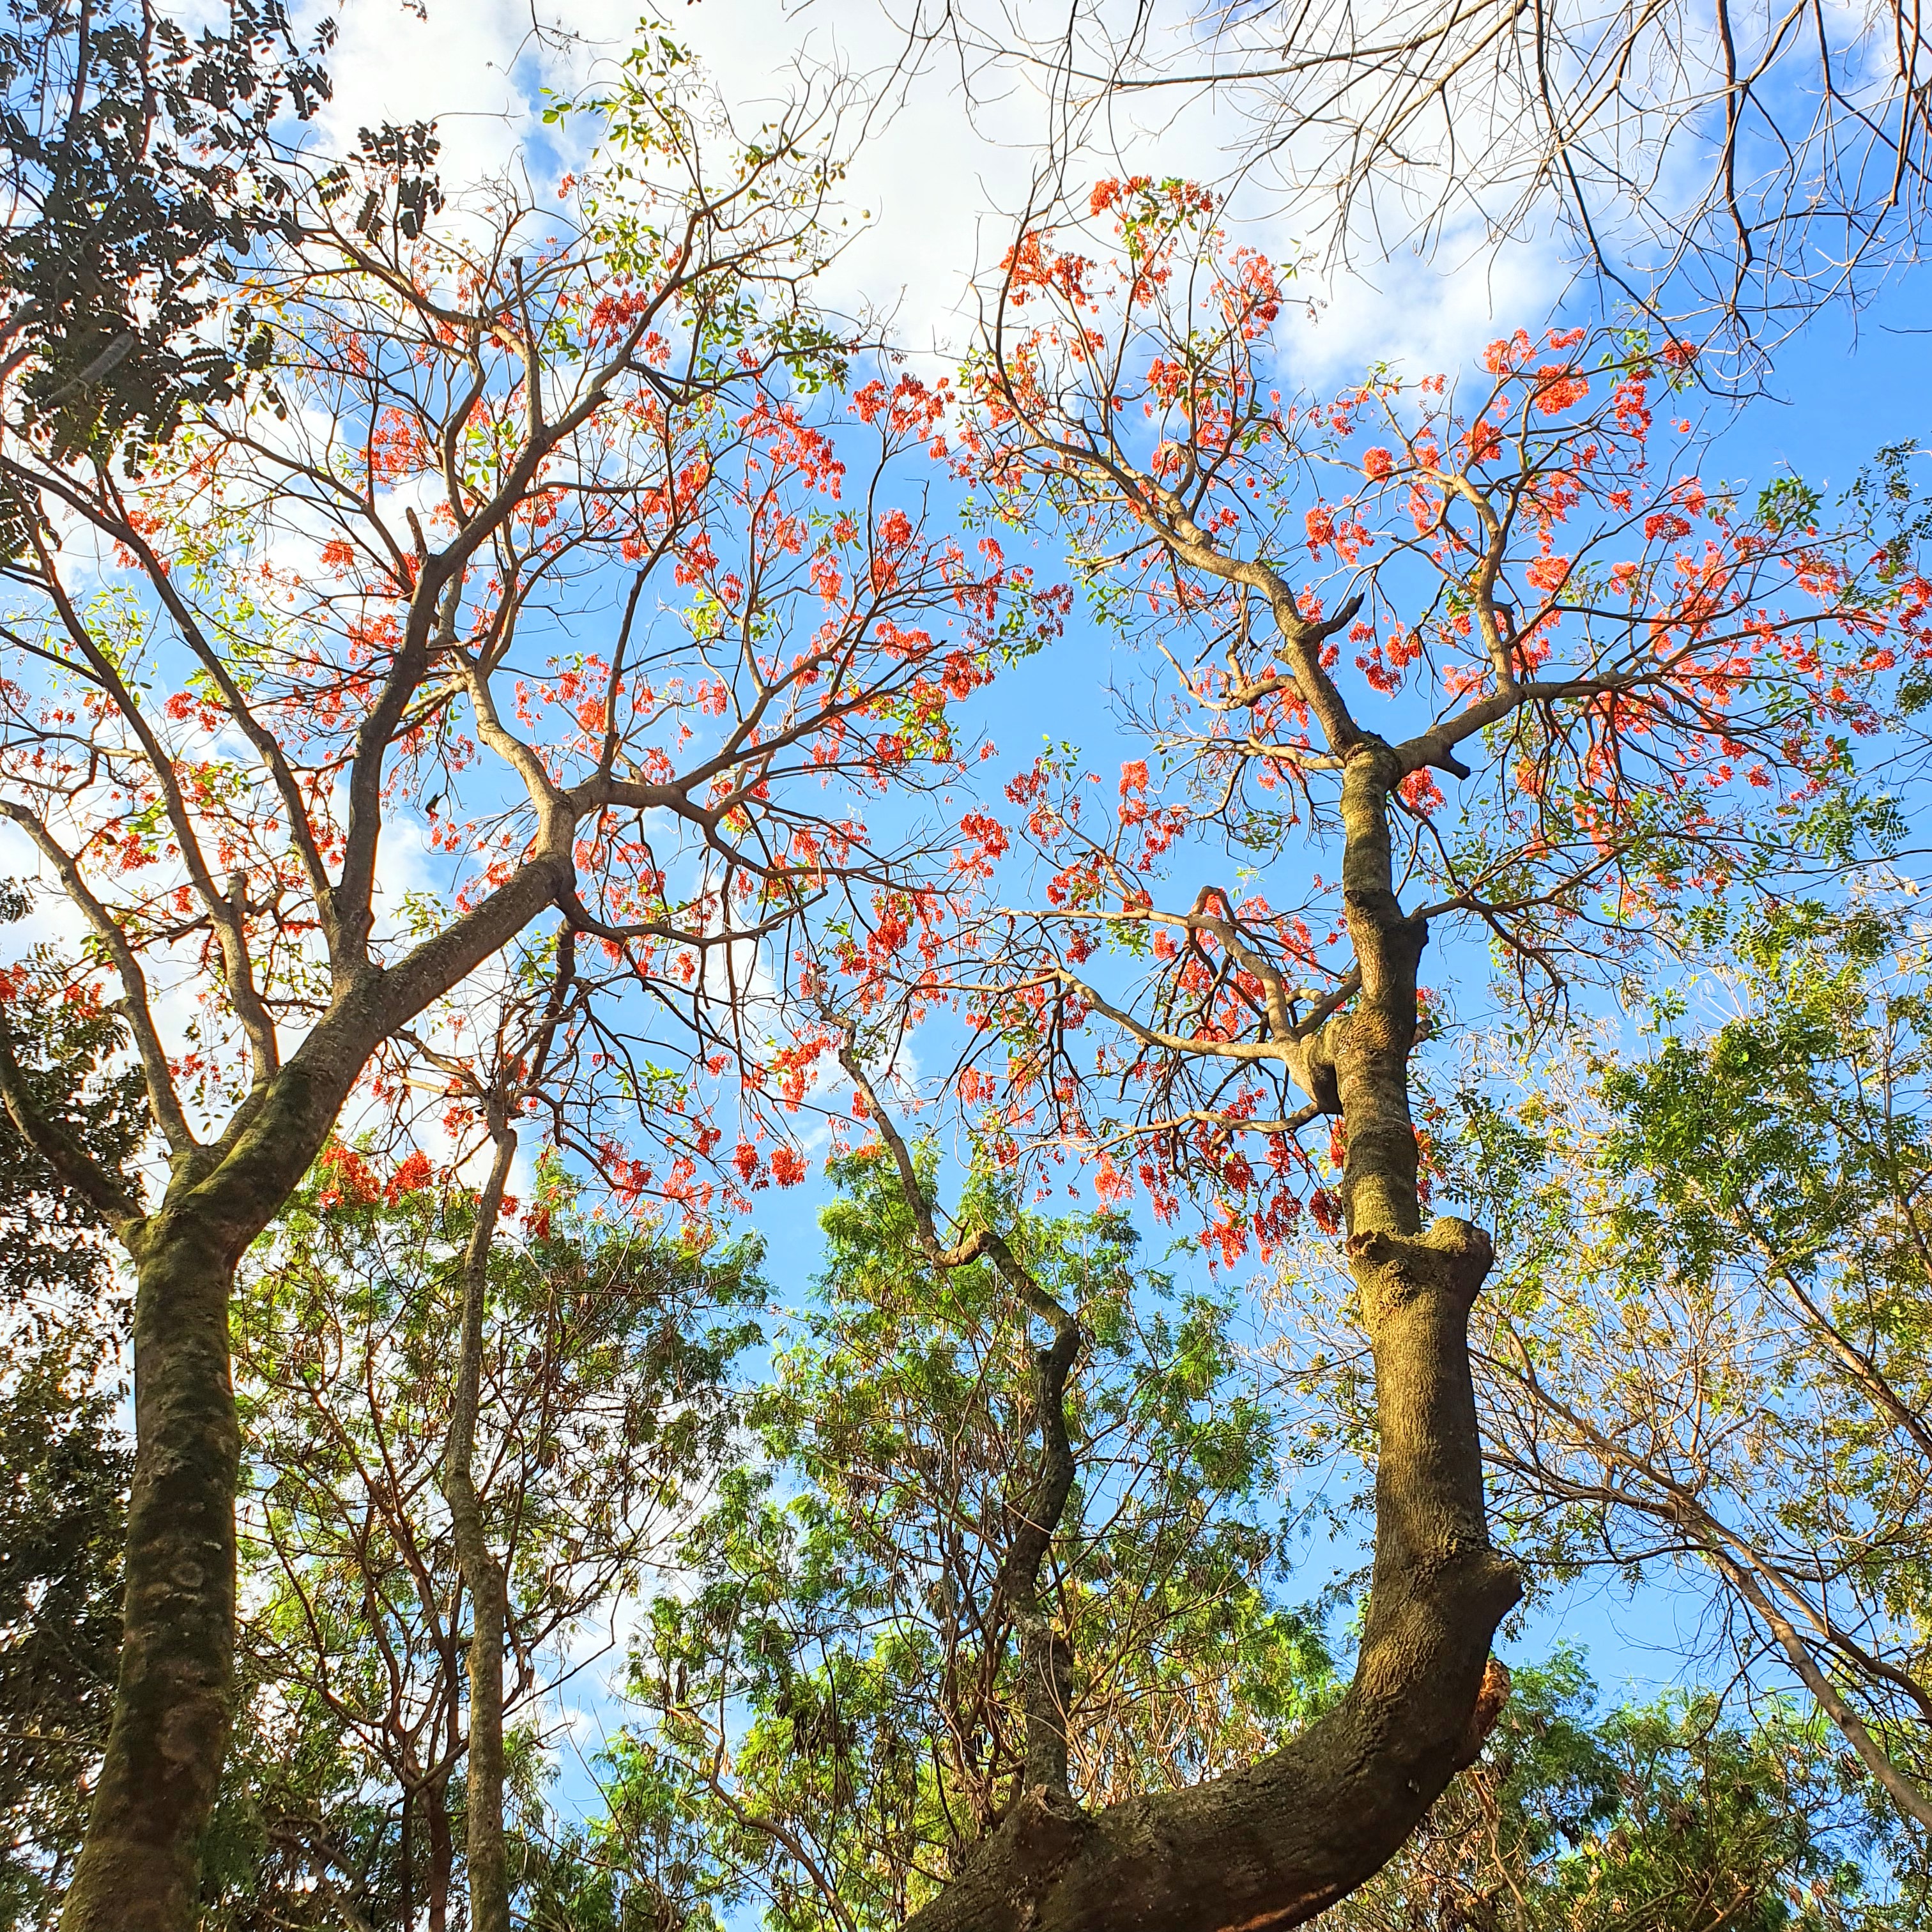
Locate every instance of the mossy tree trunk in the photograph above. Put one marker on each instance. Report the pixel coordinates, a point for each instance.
(171, 1700)
(138, 1868)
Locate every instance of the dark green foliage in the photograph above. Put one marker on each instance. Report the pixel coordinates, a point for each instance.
(605, 1397)
(399, 188)
(137, 155)
(835, 1706)
(1673, 1817)
(64, 1463)
(63, 1472)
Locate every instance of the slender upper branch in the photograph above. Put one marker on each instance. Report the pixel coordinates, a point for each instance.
(227, 911)
(163, 1101)
(1018, 1579)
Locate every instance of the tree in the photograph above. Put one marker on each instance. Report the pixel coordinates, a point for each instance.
(597, 1402)
(302, 1834)
(833, 1716)
(463, 434)
(1728, 167)
(61, 1517)
(65, 1464)
(511, 1076)
(1646, 690)
(1667, 1817)
(871, 1674)
(1709, 1351)
(211, 747)
(138, 162)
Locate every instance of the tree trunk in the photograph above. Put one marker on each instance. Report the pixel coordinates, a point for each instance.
(405, 1861)
(1270, 1846)
(138, 1869)
(442, 1852)
(489, 1871)
(482, 1574)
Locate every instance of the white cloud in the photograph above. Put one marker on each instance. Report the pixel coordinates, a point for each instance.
(939, 183)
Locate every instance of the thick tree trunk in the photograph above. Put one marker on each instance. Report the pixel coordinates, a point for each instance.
(138, 1870)
(1268, 1847)
(1271, 1845)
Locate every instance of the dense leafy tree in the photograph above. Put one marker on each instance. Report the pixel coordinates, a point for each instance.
(1643, 689)
(1674, 1816)
(63, 1460)
(832, 1720)
(1711, 1353)
(583, 455)
(602, 1402)
(139, 163)
(836, 1711)
(546, 542)
(63, 1500)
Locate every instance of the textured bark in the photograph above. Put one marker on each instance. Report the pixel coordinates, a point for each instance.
(482, 1574)
(137, 1871)
(1270, 1846)
(139, 1868)
(1046, 1657)
(442, 1852)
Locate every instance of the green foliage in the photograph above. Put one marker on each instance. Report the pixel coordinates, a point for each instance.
(64, 1463)
(1787, 503)
(1711, 1345)
(833, 1706)
(63, 1505)
(138, 154)
(1665, 1817)
(604, 1400)
(1767, 1132)
(302, 1834)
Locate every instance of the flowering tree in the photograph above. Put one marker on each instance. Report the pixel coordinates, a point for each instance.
(1645, 692)
(524, 569)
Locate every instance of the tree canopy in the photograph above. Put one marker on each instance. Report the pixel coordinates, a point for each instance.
(500, 718)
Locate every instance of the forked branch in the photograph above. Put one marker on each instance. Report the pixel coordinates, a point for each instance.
(1048, 1658)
